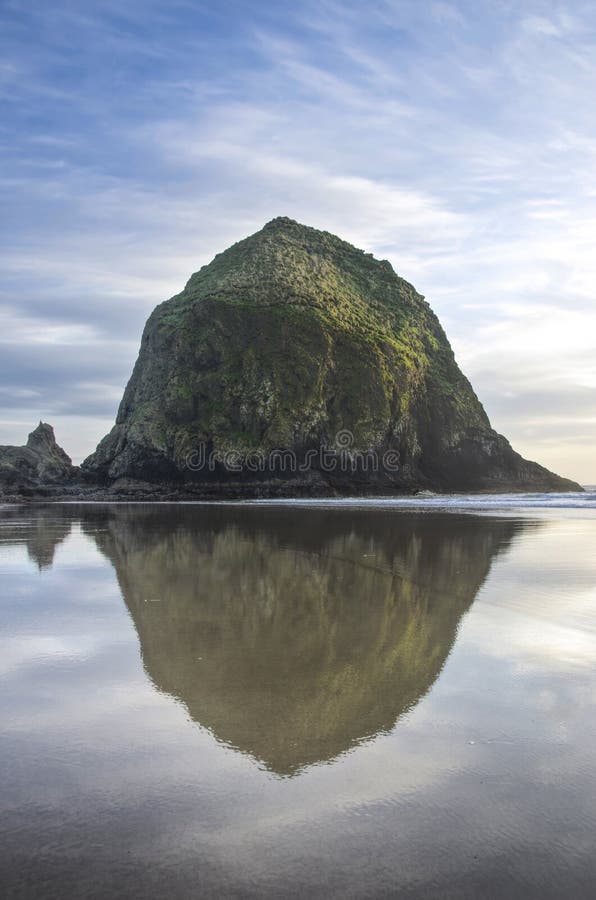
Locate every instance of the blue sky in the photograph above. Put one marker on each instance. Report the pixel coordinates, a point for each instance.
(138, 139)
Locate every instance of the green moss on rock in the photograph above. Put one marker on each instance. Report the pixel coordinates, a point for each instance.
(289, 337)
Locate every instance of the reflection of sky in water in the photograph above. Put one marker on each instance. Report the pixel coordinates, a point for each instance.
(486, 784)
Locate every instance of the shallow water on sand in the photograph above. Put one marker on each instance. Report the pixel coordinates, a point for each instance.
(349, 699)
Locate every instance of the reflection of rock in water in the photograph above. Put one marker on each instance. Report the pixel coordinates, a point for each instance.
(40, 529)
(293, 633)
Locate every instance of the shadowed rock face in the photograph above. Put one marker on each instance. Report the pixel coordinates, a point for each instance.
(295, 634)
(287, 340)
(40, 462)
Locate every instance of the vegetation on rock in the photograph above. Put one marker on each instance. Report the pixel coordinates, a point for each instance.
(287, 339)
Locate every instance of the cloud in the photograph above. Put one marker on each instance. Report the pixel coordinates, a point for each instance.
(138, 145)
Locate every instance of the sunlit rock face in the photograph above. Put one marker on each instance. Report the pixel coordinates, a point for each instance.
(293, 634)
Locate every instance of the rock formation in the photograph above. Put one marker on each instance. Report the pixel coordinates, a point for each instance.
(292, 342)
(40, 463)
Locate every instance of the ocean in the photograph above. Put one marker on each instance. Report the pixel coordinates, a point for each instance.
(344, 698)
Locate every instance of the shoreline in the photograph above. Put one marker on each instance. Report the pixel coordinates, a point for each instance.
(282, 493)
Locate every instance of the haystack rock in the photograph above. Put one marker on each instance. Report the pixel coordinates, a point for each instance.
(294, 341)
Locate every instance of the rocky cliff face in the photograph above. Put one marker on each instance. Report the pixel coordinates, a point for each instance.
(40, 462)
(294, 341)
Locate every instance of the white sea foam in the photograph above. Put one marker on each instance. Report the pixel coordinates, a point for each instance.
(452, 502)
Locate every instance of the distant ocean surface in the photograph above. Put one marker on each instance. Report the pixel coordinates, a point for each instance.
(451, 502)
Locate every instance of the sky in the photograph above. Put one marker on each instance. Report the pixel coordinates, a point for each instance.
(457, 139)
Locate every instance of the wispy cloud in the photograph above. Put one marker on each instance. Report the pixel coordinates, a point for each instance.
(139, 141)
